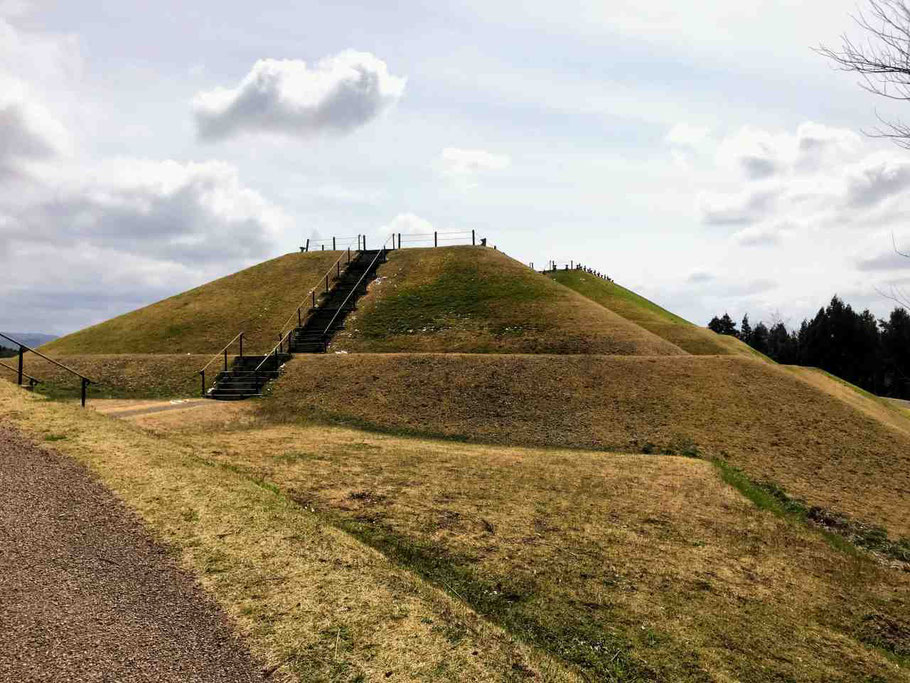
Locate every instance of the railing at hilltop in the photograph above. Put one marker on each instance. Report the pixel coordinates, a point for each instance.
(436, 239)
(402, 240)
(553, 266)
(320, 245)
(85, 381)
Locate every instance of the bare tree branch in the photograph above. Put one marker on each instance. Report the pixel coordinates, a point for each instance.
(882, 60)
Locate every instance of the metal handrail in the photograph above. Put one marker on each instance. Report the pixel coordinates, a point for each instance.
(274, 350)
(281, 340)
(38, 353)
(85, 380)
(312, 293)
(30, 378)
(224, 351)
(356, 287)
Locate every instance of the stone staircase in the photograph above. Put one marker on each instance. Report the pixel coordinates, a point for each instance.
(243, 380)
(327, 318)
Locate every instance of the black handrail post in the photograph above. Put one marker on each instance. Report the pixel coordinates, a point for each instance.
(307, 248)
(313, 294)
(473, 242)
(323, 247)
(298, 317)
(84, 385)
(21, 354)
(435, 239)
(349, 254)
(202, 372)
(399, 240)
(333, 243)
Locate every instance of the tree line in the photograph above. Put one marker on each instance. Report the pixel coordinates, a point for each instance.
(6, 352)
(870, 353)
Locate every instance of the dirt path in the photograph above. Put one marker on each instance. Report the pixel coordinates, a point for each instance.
(132, 408)
(87, 595)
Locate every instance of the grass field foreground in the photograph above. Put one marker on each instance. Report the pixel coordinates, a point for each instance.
(312, 602)
(759, 417)
(478, 300)
(256, 301)
(630, 567)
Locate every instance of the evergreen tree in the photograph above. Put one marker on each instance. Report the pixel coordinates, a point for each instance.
(760, 338)
(896, 354)
(745, 330)
(723, 325)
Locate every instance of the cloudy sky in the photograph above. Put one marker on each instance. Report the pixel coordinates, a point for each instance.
(699, 153)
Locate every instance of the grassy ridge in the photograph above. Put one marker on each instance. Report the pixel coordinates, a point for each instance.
(118, 376)
(478, 300)
(639, 310)
(761, 418)
(257, 301)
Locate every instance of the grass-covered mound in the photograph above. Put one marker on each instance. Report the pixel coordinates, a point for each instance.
(478, 300)
(699, 341)
(256, 301)
(756, 416)
(118, 376)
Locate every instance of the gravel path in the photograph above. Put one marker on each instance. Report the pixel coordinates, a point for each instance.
(87, 595)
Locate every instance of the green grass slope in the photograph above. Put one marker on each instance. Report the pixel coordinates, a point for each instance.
(256, 300)
(478, 300)
(755, 416)
(696, 340)
(118, 376)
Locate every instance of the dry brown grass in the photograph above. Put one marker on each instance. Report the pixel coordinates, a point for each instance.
(310, 600)
(256, 301)
(119, 376)
(880, 409)
(696, 340)
(650, 561)
(759, 417)
(477, 300)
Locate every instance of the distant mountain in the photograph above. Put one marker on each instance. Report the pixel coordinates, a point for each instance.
(33, 339)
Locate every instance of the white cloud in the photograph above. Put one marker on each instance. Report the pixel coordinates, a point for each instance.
(688, 135)
(761, 235)
(815, 178)
(699, 277)
(337, 95)
(28, 131)
(407, 224)
(185, 213)
(90, 242)
(741, 208)
(50, 60)
(468, 162)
